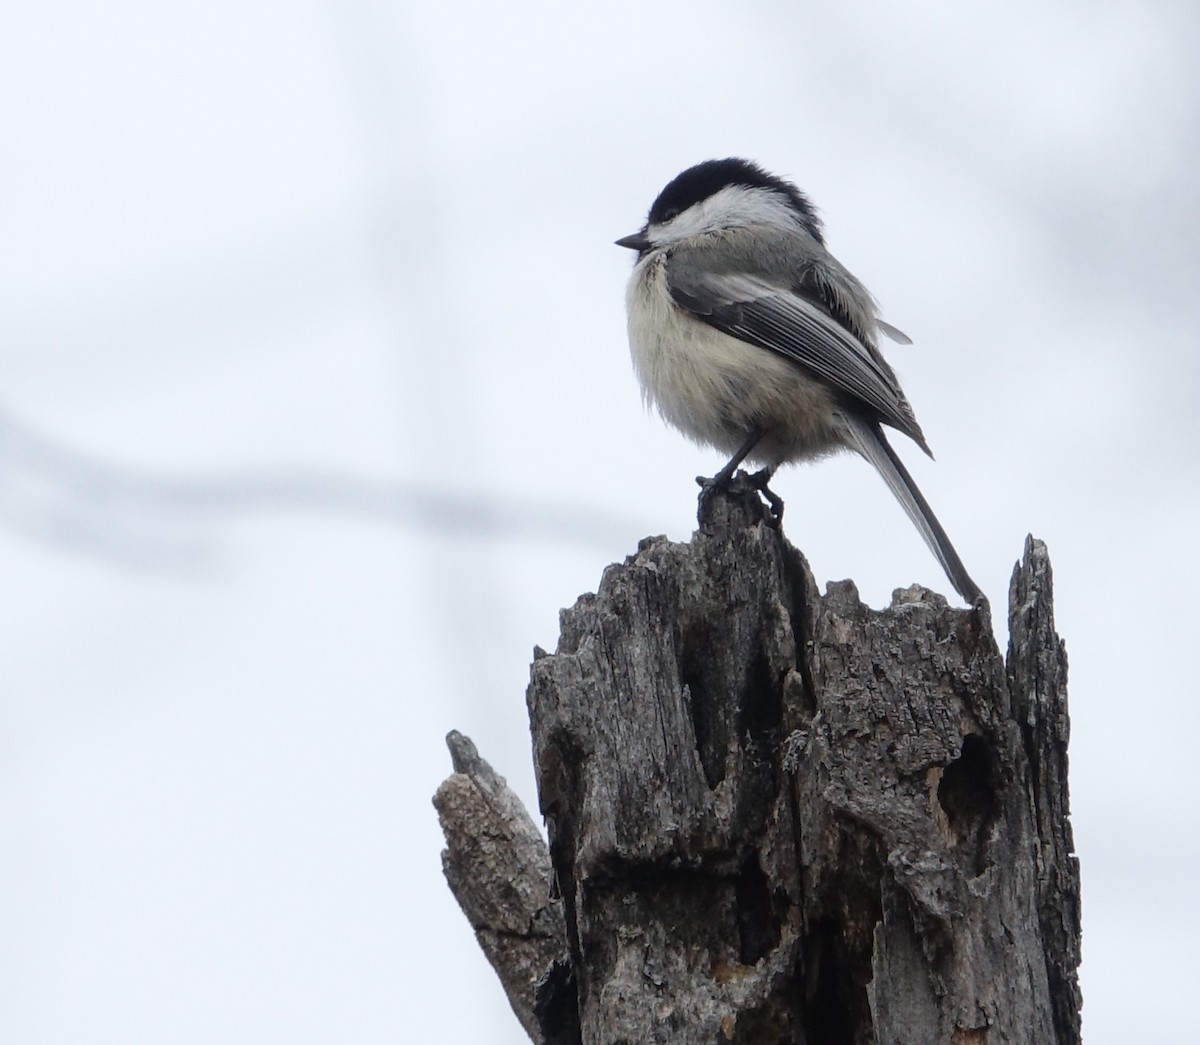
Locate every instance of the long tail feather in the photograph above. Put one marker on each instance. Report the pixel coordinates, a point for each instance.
(868, 439)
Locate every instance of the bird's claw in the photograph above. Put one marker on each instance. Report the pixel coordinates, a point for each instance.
(708, 487)
(759, 481)
(756, 480)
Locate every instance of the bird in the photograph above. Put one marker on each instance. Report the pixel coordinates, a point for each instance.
(749, 336)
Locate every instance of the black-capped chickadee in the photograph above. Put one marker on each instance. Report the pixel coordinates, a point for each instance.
(749, 336)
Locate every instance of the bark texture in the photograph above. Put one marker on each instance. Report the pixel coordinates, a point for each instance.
(499, 870)
(777, 816)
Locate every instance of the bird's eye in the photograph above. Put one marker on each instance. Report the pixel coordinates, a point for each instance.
(670, 212)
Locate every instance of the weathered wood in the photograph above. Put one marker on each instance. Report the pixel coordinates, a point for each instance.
(1037, 680)
(777, 816)
(499, 870)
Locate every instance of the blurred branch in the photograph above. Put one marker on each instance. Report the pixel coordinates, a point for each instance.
(56, 492)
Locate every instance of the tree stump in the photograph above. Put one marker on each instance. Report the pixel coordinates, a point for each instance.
(777, 816)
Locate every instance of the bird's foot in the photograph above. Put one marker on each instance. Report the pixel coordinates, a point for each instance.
(744, 483)
(708, 488)
(759, 481)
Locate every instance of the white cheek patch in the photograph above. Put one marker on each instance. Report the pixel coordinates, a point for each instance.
(726, 208)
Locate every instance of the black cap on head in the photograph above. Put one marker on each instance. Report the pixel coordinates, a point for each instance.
(703, 180)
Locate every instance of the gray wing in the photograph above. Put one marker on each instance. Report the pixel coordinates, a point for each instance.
(798, 322)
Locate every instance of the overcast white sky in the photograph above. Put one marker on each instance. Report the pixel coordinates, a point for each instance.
(316, 408)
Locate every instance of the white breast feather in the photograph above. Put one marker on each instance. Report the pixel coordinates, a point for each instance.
(714, 388)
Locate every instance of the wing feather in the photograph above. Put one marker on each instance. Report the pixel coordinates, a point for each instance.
(799, 323)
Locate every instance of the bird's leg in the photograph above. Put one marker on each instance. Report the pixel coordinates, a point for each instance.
(721, 479)
(758, 480)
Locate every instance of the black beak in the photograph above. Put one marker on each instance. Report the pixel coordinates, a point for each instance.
(636, 242)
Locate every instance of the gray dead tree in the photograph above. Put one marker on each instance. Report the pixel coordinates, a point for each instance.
(781, 817)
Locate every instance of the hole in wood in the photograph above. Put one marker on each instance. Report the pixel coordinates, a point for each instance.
(968, 796)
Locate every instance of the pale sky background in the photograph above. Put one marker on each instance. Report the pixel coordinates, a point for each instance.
(316, 408)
